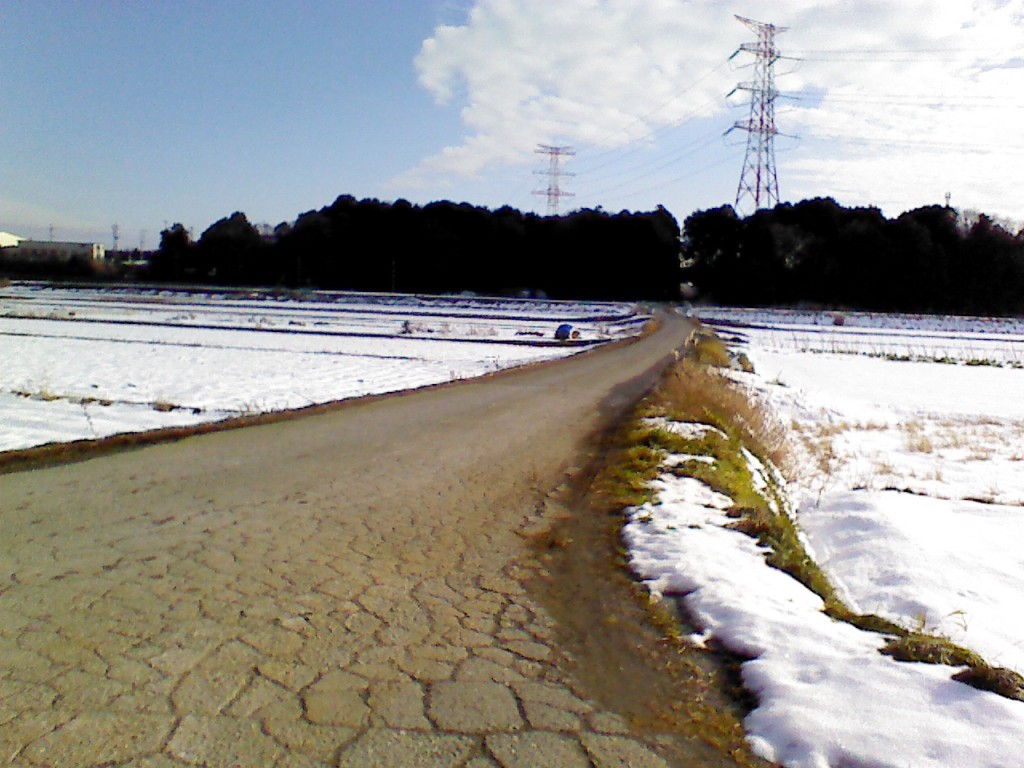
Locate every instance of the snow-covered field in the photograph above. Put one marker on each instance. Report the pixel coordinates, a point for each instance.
(88, 363)
(928, 338)
(908, 484)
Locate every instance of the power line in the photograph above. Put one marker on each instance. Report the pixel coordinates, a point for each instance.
(759, 181)
(652, 167)
(906, 99)
(893, 142)
(663, 156)
(675, 180)
(621, 170)
(634, 146)
(601, 159)
(641, 120)
(844, 55)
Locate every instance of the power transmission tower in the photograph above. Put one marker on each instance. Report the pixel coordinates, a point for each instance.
(759, 180)
(554, 172)
(116, 231)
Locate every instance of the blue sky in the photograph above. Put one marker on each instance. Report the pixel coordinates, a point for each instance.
(137, 113)
(148, 113)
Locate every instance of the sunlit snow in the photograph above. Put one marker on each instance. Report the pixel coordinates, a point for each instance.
(87, 363)
(908, 485)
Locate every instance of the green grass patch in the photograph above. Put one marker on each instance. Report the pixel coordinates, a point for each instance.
(628, 482)
(999, 680)
(930, 649)
(695, 693)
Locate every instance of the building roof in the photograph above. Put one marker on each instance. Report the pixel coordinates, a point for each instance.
(7, 239)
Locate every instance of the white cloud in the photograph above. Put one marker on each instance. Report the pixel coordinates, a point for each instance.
(900, 99)
(532, 71)
(934, 108)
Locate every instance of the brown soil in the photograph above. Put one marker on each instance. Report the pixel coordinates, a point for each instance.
(624, 652)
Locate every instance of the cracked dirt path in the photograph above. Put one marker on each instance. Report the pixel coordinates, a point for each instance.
(344, 589)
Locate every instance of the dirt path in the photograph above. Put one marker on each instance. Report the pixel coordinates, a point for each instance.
(344, 589)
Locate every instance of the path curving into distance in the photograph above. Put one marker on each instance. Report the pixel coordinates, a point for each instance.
(343, 589)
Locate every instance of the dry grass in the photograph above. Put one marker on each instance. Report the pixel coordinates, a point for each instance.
(694, 392)
(41, 392)
(744, 364)
(705, 348)
(919, 444)
(956, 437)
(916, 439)
(825, 456)
(883, 467)
(833, 428)
(814, 461)
(977, 435)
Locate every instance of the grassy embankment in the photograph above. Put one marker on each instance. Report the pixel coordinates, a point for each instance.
(697, 391)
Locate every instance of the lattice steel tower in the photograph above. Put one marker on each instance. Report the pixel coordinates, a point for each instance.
(554, 172)
(759, 180)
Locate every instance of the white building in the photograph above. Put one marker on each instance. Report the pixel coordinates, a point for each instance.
(54, 251)
(7, 240)
(61, 251)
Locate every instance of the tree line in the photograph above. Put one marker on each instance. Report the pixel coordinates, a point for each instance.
(442, 247)
(928, 260)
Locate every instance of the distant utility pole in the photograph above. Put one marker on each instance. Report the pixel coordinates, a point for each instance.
(116, 231)
(554, 172)
(759, 181)
(51, 233)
